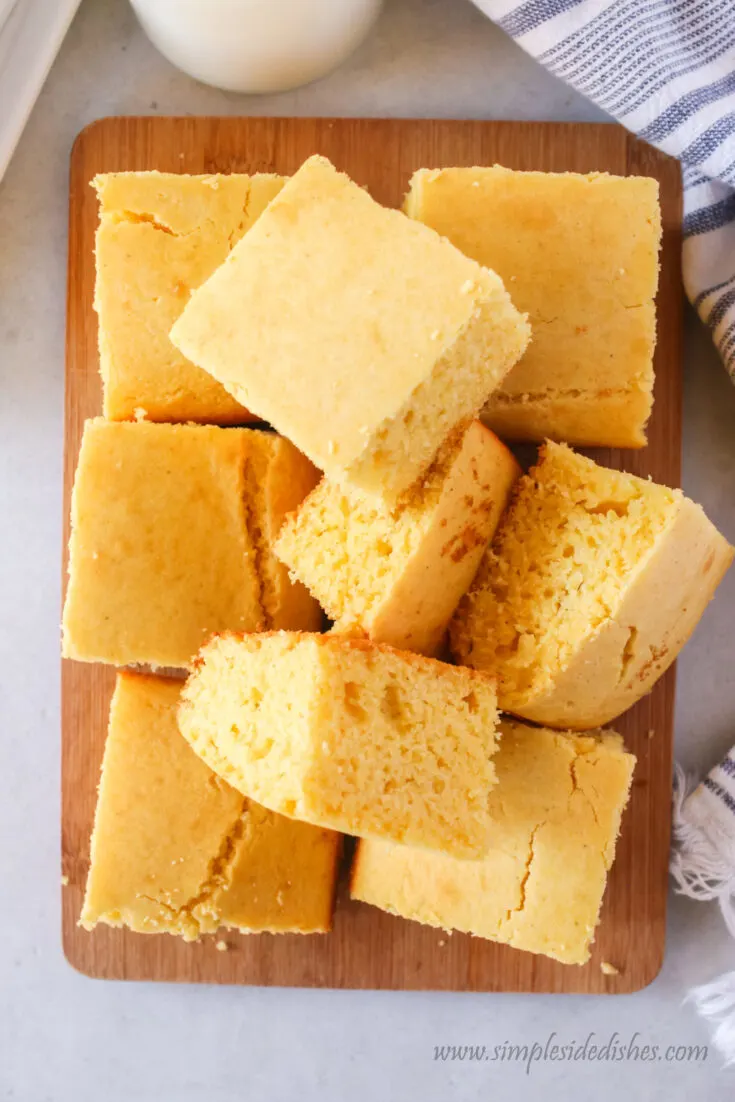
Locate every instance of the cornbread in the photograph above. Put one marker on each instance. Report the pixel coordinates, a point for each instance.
(399, 573)
(278, 478)
(359, 334)
(580, 255)
(555, 814)
(171, 540)
(594, 583)
(176, 850)
(348, 734)
(160, 236)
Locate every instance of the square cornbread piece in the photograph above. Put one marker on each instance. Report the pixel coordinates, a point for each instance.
(348, 735)
(556, 811)
(171, 540)
(176, 850)
(580, 255)
(359, 334)
(160, 236)
(398, 574)
(592, 586)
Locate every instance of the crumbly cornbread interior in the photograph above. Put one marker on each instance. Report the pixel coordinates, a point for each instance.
(352, 565)
(347, 734)
(571, 540)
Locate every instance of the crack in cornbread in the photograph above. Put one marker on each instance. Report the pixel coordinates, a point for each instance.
(202, 909)
(579, 253)
(556, 812)
(328, 287)
(160, 236)
(177, 850)
(525, 877)
(348, 735)
(594, 582)
(200, 913)
(399, 573)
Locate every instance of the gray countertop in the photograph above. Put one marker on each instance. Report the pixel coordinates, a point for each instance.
(63, 1036)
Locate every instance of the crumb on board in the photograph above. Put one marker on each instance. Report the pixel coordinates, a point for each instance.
(608, 969)
(222, 946)
(442, 943)
(651, 732)
(64, 880)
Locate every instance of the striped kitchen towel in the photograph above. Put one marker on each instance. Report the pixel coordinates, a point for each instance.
(703, 857)
(703, 867)
(666, 70)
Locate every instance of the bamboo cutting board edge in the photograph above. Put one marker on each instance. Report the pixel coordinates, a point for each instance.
(369, 949)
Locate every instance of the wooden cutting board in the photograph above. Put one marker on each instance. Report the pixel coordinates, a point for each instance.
(369, 949)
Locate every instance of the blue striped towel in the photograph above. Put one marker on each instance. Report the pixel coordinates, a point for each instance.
(666, 70)
(703, 859)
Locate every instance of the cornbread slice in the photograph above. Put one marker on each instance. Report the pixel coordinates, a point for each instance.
(278, 478)
(555, 813)
(595, 581)
(160, 236)
(580, 255)
(348, 734)
(171, 540)
(399, 573)
(357, 333)
(176, 850)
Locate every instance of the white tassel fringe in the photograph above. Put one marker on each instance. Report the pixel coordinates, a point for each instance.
(702, 864)
(716, 1002)
(703, 867)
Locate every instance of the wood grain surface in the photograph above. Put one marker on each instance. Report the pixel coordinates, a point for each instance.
(367, 948)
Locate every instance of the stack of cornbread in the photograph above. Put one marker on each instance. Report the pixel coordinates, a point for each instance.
(380, 352)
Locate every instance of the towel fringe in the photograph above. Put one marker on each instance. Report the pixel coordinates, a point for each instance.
(715, 1002)
(703, 867)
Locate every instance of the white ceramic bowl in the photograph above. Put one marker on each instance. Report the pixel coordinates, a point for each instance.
(256, 45)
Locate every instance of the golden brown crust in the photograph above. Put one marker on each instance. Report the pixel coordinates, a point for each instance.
(160, 235)
(176, 849)
(354, 872)
(334, 641)
(587, 375)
